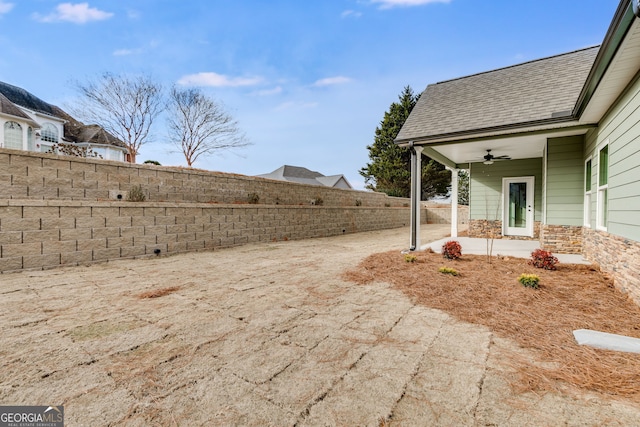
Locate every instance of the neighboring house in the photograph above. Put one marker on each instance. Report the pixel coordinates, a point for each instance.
(306, 176)
(29, 123)
(564, 135)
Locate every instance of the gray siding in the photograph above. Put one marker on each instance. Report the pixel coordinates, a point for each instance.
(621, 128)
(565, 181)
(485, 186)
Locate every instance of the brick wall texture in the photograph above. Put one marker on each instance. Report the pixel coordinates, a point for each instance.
(65, 211)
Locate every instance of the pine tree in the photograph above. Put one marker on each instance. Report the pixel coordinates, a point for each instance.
(389, 169)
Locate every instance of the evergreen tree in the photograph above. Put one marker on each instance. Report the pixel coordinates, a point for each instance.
(389, 169)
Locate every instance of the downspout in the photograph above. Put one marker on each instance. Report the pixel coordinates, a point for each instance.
(416, 192)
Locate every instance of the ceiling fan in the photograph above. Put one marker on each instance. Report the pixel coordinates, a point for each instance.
(489, 158)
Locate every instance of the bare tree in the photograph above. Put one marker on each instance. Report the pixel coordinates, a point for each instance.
(199, 126)
(124, 106)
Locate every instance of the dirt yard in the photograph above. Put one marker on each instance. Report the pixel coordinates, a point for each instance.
(269, 334)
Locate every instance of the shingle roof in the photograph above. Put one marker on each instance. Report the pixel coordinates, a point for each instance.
(8, 107)
(541, 90)
(11, 96)
(21, 97)
(303, 176)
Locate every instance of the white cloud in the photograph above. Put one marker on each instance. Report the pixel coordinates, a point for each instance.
(388, 4)
(295, 105)
(5, 7)
(217, 80)
(268, 92)
(125, 52)
(350, 13)
(330, 81)
(79, 13)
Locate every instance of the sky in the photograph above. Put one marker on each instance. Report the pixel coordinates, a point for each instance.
(307, 80)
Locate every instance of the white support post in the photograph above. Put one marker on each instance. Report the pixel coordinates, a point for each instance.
(416, 193)
(454, 202)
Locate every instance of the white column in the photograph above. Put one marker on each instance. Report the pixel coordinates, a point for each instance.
(454, 202)
(416, 192)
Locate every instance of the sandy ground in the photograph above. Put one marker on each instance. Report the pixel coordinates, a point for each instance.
(260, 335)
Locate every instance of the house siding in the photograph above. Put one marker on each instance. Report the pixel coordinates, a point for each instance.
(621, 128)
(485, 186)
(565, 181)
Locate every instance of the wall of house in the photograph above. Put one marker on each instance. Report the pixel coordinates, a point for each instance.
(565, 181)
(485, 186)
(621, 130)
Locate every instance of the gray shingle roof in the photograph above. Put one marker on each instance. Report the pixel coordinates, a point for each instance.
(541, 90)
(303, 176)
(11, 96)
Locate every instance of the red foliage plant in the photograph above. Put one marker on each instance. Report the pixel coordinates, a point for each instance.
(543, 259)
(451, 250)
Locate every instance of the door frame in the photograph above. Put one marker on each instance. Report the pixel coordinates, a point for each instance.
(530, 218)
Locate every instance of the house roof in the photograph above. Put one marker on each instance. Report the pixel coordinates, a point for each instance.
(13, 97)
(9, 108)
(303, 176)
(535, 92)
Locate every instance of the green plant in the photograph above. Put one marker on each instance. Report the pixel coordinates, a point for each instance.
(448, 270)
(152, 162)
(136, 194)
(254, 198)
(410, 258)
(529, 280)
(358, 202)
(543, 259)
(451, 250)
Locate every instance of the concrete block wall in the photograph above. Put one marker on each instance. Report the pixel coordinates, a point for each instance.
(31, 175)
(39, 234)
(441, 214)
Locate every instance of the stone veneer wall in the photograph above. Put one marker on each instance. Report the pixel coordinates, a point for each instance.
(562, 239)
(482, 228)
(37, 234)
(617, 256)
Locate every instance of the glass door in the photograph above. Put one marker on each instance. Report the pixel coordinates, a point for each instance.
(518, 216)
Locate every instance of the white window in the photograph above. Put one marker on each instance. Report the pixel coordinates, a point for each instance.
(49, 133)
(603, 187)
(13, 135)
(587, 193)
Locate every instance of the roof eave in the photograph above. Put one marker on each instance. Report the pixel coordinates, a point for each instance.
(509, 129)
(627, 11)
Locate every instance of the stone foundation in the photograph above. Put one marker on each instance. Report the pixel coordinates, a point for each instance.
(482, 228)
(616, 256)
(562, 239)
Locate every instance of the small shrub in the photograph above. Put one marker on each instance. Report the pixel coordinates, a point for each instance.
(152, 162)
(410, 258)
(543, 259)
(358, 202)
(529, 280)
(448, 270)
(451, 250)
(254, 198)
(136, 194)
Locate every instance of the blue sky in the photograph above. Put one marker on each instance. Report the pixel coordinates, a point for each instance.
(308, 81)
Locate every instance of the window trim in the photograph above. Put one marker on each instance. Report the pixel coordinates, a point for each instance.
(602, 191)
(588, 192)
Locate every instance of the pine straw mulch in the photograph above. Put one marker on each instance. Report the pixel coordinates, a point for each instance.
(542, 320)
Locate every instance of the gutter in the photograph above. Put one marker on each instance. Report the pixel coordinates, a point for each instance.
(627, 12)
